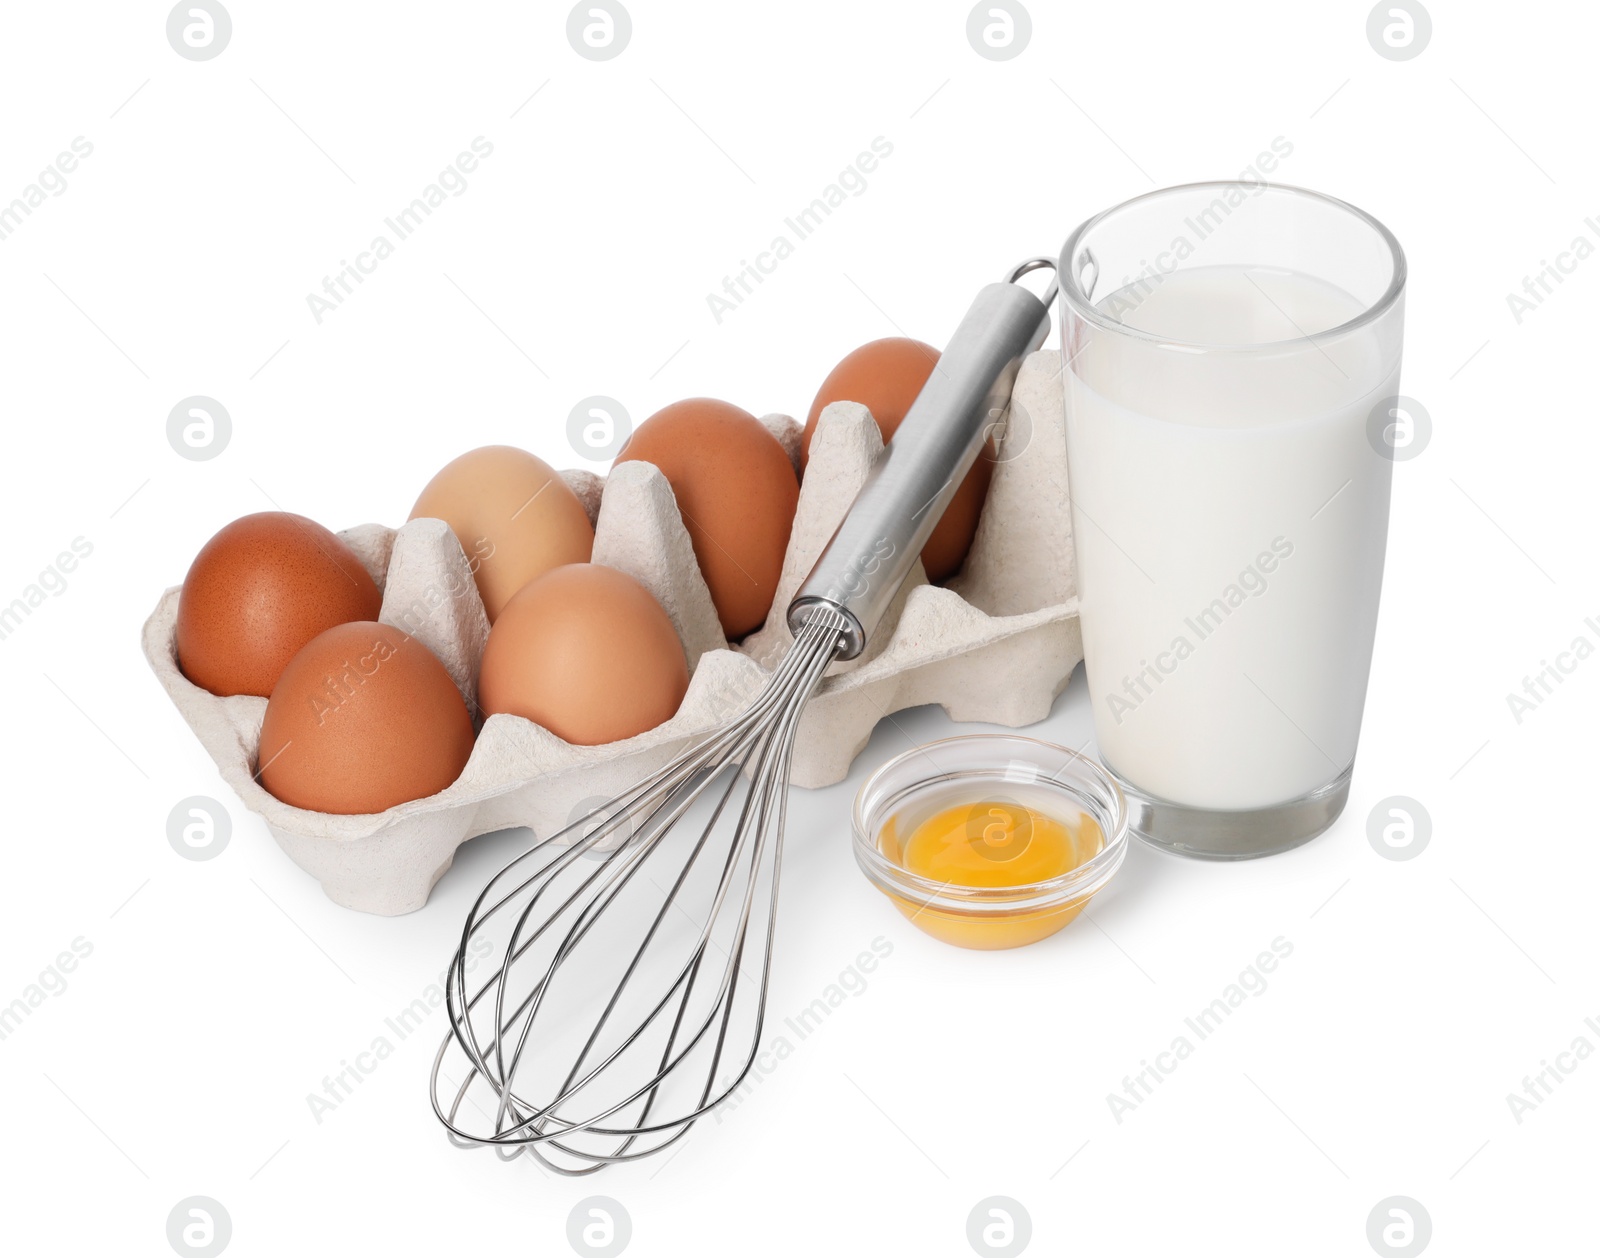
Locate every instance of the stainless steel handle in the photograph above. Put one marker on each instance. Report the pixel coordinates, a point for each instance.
(918, 472)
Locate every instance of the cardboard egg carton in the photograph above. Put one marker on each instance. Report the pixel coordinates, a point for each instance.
(996, 644)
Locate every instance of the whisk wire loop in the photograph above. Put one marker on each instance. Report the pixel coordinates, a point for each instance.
(606, 1093)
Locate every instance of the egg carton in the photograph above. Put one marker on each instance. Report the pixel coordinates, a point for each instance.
(996, 644)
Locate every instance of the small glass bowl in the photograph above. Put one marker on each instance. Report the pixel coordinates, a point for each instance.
(983, 768)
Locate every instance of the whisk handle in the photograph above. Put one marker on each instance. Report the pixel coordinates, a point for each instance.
(965, 400)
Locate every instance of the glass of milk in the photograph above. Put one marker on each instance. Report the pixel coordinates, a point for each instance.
(1231, 360)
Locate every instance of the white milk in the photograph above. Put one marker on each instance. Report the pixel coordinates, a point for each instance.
(1230, 519)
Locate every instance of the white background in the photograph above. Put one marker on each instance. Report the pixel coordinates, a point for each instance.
(219, 994)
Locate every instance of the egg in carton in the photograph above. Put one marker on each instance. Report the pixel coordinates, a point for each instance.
(996, 644)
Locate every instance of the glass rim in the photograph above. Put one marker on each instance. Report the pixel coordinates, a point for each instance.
(1073, 296)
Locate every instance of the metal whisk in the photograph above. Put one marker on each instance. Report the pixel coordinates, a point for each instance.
(628, 956)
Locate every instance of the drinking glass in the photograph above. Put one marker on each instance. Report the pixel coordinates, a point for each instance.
(1231, 361)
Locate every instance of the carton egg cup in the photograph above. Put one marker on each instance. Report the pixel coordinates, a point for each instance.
(997, 644)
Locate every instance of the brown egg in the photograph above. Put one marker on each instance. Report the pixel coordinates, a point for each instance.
(513, 515)
(363, 718)
(259, 591)
(586, 652)
(886, 376)
(736, 491)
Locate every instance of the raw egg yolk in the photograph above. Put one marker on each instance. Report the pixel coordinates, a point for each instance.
(991, 845)
(994, 845)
